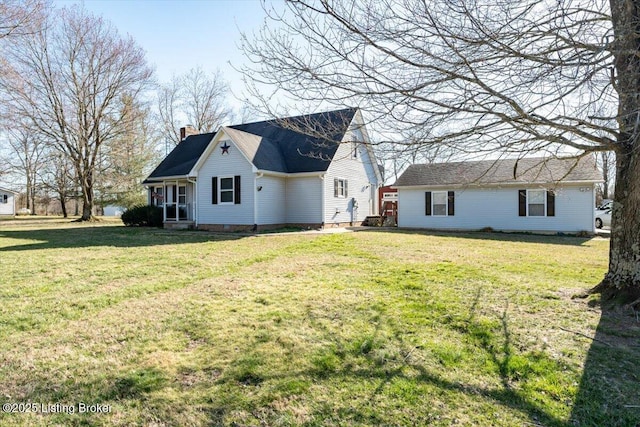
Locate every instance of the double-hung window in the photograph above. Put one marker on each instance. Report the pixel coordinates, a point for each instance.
(536, 202)
(340, 187)
(439, 203)
(226, 190)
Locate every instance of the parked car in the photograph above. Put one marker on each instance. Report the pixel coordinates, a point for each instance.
(603, 218)
(606, 204)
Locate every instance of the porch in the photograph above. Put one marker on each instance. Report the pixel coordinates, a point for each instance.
(176, 198)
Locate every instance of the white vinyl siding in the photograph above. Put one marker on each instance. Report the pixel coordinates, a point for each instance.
(271, 200)
(226, 166)
(498, 208)
(7, 204)
(304, 200)
(359, 176)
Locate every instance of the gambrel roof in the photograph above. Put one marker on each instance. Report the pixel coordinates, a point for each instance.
(289, 145)
(501, 172)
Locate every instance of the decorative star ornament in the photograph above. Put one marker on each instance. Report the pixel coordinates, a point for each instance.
(225, 148)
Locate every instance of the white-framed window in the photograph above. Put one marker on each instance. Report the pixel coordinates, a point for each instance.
(182, 194)
(536, 202)
(4, 199)
(226, 190)
(439, 203)
(157, 196)
(340, 187)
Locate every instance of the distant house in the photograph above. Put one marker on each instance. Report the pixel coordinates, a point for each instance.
(113, 210)
(315, 170)
(7, 202)
(531, 194)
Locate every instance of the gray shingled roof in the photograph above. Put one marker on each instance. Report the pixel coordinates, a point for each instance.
(182, 158)
(504, 171)
(289, 145)
(304, 143)
(6, 190)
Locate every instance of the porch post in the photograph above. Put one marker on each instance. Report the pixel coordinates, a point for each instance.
(164, 201)
(176, 202)
(194, 191)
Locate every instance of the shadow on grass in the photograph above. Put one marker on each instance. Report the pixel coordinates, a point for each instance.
(87, 236)
(358, 361)
(553, 239)
(609, 390)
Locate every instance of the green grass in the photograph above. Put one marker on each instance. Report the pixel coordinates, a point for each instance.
(367, 328)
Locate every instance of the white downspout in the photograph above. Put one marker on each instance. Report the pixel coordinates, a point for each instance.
(322, 201)
(255, 197)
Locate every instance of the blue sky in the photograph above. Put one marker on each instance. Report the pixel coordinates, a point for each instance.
(180, 35)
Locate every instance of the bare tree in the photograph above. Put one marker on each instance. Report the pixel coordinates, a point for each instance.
(196, 98)
(27, 157)
(68, 78)
(169, 104)
(57, 176)
(482, 76)
(20, 17)
(607, 163)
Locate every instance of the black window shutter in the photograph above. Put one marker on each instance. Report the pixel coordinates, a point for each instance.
(335, 187)
(175, 193)
(522, 202)
(551, 203)
(214, 190)
(450, 203)
(236, 189)
(345, 188)
(427, 203)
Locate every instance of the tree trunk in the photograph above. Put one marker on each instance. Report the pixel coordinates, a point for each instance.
(622, 281)
(63, 204)
(87, 196)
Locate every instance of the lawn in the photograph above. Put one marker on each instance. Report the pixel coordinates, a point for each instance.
(369, 328)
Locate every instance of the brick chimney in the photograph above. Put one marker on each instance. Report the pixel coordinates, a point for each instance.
(186, 131)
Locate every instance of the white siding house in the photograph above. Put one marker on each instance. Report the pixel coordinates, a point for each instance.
(7, 202)
(534, 195)
(314, 171)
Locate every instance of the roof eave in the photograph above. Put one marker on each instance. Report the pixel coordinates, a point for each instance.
(6, 190)
(495, 184)
(158, 179)
(290, 175)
